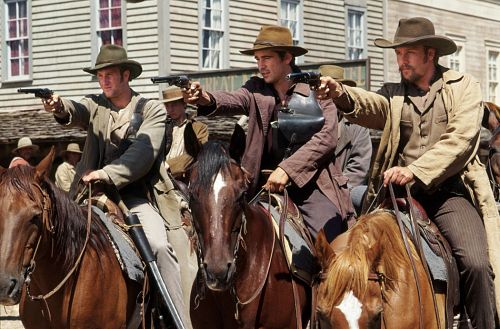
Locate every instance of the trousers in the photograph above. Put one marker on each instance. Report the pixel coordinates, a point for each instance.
(152, 223)
(460, 223)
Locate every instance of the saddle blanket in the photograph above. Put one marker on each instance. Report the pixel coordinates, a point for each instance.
(436, 264)
(128, 258)
(300, 257)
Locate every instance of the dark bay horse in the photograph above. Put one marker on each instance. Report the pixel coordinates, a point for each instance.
(241, 261)
(369, 282)
(45, 236)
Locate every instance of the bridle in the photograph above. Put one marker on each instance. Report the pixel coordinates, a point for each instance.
(49, 226)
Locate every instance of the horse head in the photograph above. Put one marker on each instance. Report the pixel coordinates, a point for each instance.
(23, 208)
(217, 199)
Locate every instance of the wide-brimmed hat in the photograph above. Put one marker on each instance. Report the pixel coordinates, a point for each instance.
(336, 72)
(25, 142)
(275, 37)
(418, 30)
(71, 148)
(113, 55)
(172, 94)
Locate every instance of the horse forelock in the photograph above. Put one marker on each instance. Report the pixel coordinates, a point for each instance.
(213, 157)
(68, 219)
(373, 242)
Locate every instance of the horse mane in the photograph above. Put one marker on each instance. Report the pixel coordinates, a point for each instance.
(213, 157)
(68, 218)
(374, 244)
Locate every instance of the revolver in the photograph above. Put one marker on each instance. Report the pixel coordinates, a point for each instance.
(181, 81)
(311, 78)
(38, 92)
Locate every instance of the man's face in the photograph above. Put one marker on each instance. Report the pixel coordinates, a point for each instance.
(176, 109)
(414, 62)
(271, 66)
(25, 153)
(113, 83)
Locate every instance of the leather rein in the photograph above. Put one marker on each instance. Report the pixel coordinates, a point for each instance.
(48, 225)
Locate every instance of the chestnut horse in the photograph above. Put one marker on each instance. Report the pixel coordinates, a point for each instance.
(46, 237)
(241, 260)
(369, 282)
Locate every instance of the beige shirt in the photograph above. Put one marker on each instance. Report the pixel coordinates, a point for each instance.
(423, 122)
(64, 176)
(117, 128)
(177, 148)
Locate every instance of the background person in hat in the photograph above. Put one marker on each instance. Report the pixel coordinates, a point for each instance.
(126, 152)
(317, 185)
(183, 136)
(431, 124)
(354, 146)
(65, 172)
(23, 152)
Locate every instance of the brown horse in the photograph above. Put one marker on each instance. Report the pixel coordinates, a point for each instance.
(241, 261)
(369, 282)
(493, 126)
(45, 237)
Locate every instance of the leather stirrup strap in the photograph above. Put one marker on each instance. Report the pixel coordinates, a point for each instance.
(408, 251)
(418, 243)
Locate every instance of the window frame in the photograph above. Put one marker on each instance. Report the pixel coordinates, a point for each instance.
(5, 64)
(496, 97)
(299, 19)
(364, 37)
(224, 41)
(96, 41)
(460, 41)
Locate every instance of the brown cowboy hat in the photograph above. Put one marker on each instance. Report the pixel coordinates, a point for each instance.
(336, 72)
(172, 94)
(114, 55)
(25, 142)
(71, 148)
(418, 30)
(275, 37)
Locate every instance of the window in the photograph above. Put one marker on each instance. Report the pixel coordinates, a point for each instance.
(493, 76)
(291, 18)
(456, 61)
(212, 34)
(356, 34)
(109, 23)
(17, 40)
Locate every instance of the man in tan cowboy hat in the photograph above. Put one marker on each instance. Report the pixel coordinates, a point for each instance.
(183, 135)
(65, 172)
(316, 184)
(23, 152)
(354, 146)
(124, 147)
(431, 124)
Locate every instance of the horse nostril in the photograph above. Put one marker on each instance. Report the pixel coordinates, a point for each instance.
(13, 287)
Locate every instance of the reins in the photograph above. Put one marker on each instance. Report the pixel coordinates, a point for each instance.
(48, 224)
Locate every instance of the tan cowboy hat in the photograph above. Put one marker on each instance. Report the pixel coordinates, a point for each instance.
(114, 55)
(418, 30)
(25, 142)
(172, 94)
(336, 72)
(73, 148)
(276, 38)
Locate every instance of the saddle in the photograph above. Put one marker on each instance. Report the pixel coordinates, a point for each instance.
(299, 243)
(429, 232)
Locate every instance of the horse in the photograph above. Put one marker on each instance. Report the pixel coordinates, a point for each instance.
(493, 124)
(56, 261)
(241, 260)
(368, 281)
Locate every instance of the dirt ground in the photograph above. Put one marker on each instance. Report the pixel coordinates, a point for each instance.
(9, 318)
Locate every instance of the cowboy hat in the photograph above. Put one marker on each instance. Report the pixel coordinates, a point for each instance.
(418, 30)
(172, 94)
(113, 55)
(71, 148)
(25, 142)
(336, 72)
(273, 37)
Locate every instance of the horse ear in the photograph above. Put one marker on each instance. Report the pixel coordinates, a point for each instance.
(324, 251)
(237, 143)
(43, 167)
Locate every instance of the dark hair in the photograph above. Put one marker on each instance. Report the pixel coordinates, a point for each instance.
(436, 56)
(282, 53)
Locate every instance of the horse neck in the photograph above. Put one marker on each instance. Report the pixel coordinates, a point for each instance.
(259, 242)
